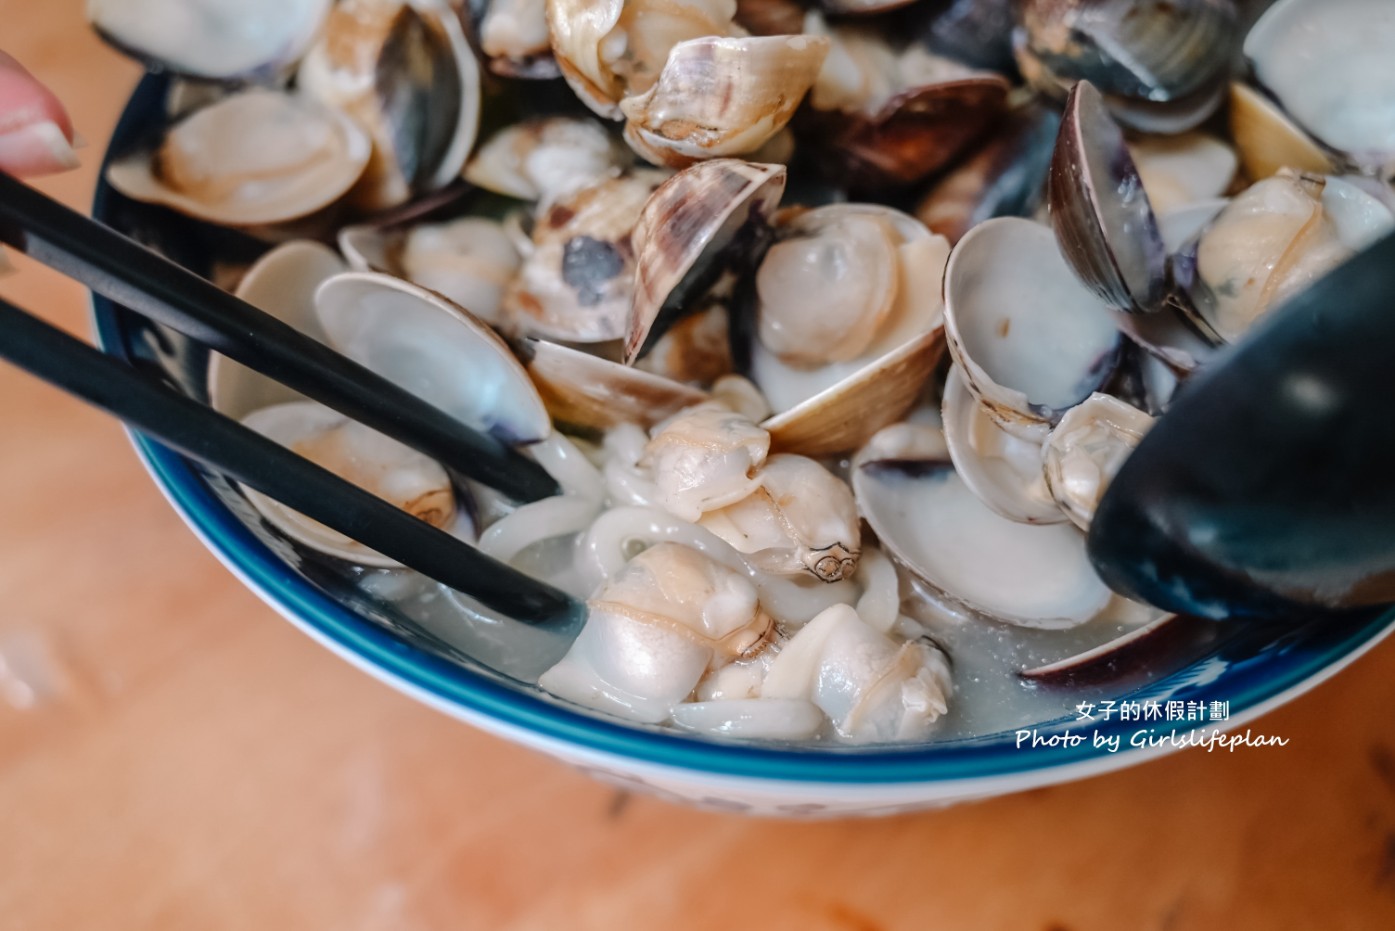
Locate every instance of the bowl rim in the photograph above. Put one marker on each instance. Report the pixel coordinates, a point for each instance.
(465, 693)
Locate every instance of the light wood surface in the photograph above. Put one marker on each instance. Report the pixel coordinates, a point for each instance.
(173, 755)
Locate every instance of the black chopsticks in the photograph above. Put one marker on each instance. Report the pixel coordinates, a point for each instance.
(153, 286)
(223, 444)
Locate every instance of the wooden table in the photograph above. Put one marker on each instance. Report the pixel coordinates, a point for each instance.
(173, 755)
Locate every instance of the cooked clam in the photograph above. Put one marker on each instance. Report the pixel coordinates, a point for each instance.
(1183, 170)
(1267, 140)
(847, 324)
(254, 158)
(654, 629)
(406, 72)
(513, 35)
(1030, 340)
(1157, 53)
(1275, 239)
(705, 458)
(546, 158)
(470, 260)
(577, 282)
(721, 96)
(1328, 64)
(223, 40)
(971, 559)
(283, 283)
(888, 117)
(871, 687)
(800, 519)
(610, 49)
(1100, 208)
(1005, 177)
(374, 462)
(705, 220)
(1084, 451)
(433, 349)
(585, 392)
(1002, 469)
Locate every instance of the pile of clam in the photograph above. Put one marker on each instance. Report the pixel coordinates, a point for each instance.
(824, 316)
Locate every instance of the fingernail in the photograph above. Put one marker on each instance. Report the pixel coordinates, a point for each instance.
(39, 148)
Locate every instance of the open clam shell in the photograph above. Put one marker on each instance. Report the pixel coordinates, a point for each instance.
(282, 283)
(470, 260)
(1100, 210)
(1006, 177)
(250, 159)
(1005, 471)
(721, 96)
(888, 118)
(576, 283)
(1158, 52)
(590, 393)
(221, 40)
(1030, 340)
(1085, 451)
(881, 362)
(435, 350)
(1328, 64)
(372, 461)
(1267, 140)
(545, 158)
(405, 71)
(1273, 240)
(684, 234)
(972, 560)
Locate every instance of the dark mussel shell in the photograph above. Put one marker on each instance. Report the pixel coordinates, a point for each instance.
(1269, 487)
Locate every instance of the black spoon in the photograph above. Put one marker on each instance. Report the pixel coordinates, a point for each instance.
(1269, 486)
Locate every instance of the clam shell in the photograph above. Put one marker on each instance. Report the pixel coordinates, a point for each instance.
(1003, 470)
(1084, 451)
(469, 260)
(1030, 340)
(914, 134)
(1006, 177)
(836, 407)
(434, 349)
(282, 283)
(721, 96)
(1156, 50)
(253, 158)
(1328, 64)
(220, 40)
(683, 234)
(577, 280)
(586, 391)
(545, 158)
(377, 463)
(406, 72)
(843, 417)
(1267, 140)
(1100, 210)
(971, 560)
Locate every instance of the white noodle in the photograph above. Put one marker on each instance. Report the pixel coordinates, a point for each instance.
(880, 602)
(569, 465)
(558, 516)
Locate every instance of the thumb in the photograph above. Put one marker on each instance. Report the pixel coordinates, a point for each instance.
(36, 136)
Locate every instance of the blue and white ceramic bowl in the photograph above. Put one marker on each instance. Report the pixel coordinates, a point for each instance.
(1252, 671)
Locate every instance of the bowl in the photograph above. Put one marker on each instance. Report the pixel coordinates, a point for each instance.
(1253, 669)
